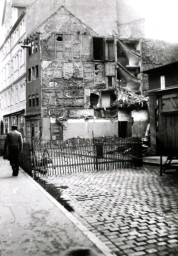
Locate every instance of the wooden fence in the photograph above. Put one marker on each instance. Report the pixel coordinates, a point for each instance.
(80, 155)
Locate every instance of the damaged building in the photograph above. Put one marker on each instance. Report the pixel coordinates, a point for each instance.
(80, 83)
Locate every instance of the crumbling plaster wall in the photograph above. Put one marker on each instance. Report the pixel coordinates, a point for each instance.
(67, 76)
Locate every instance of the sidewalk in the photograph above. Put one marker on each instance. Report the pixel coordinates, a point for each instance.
(34, 223)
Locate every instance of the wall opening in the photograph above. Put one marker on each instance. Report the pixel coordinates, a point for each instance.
(59, 38)
(94, 98)
(122, 129)
(107, 98)
(98, 48)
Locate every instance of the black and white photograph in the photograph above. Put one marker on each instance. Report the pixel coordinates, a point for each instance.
(88, 128)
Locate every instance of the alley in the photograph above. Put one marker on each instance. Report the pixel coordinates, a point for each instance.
(133, 211)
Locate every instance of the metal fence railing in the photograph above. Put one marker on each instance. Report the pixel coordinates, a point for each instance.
(79, 155)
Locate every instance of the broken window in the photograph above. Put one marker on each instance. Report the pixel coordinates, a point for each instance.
(98, 48)
(93, 100)
(110, 50)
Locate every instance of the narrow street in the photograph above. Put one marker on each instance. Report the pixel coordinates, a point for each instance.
(133, 211)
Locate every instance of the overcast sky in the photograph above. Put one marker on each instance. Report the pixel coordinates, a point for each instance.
(161, 17)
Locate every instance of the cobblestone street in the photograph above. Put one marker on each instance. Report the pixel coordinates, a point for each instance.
(133, 211)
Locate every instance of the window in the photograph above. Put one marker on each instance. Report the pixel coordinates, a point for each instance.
(36, 71)
(33, 100)
(14, 120)
(163, 82)
(33, 73)
(59, 38)
(98, 48)
(29, 75)
(30, 101)
(110, 81)
(37, 100)
(29, 50)
(35, 46)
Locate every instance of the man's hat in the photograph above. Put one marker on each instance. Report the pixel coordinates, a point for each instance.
(14, 126)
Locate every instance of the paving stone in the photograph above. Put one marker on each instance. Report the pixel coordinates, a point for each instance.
(152, 250)
(152, 241)
(173, 241)
(137, 253)
(129, 207)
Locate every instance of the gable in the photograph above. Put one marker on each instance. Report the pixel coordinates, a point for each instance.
(64, 21)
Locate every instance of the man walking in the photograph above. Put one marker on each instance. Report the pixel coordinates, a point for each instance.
(13, 142)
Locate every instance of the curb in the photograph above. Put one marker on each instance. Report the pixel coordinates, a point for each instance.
(98, 243)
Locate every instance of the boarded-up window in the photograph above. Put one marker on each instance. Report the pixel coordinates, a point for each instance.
(98, 48)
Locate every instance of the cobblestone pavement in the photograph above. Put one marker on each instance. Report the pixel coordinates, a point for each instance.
(133, 211)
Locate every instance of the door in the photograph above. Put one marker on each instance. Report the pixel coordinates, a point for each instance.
(122, 129)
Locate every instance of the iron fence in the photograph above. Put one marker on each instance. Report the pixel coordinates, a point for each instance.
(80, 155)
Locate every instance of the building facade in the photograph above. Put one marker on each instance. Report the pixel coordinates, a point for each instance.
(13, 70)
(82, 75)
(80, 83)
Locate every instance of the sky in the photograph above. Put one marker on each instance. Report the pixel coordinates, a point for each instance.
(161, 17)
